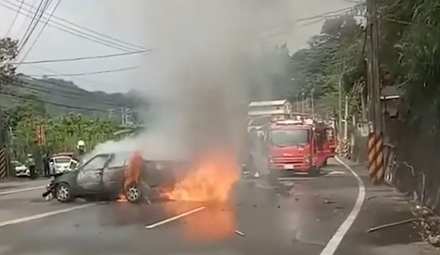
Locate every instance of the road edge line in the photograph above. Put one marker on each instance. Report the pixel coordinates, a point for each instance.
(43, 215)
(162, 222)
(332, 245)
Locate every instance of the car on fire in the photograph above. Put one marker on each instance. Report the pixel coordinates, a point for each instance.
(104, 176)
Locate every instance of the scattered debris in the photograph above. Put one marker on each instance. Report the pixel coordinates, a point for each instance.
(239, 233)
(328, 202)
(393, 224)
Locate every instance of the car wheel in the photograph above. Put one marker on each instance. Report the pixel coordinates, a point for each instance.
(133, 193)
(63, 193)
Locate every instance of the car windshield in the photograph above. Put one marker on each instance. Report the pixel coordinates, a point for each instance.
(62, 160)
(282, 138)
(16, 163)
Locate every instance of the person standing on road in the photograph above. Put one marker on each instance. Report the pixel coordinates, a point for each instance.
(46, 166)
(30, 164)
(80, 151)
(267, 178)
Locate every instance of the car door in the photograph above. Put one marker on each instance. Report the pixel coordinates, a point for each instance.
(320, 153)
(90, 175)
(114, 172)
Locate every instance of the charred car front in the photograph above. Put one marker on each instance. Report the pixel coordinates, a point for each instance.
(103, 176)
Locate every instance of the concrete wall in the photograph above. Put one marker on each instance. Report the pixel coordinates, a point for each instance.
(416, 137)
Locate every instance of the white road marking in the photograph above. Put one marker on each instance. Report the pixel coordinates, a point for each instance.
(293, 178)
(43, 215)
(336, 239)
(336, 172)
(174, 218)
(12, 191)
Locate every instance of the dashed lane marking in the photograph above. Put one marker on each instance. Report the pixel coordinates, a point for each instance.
(157, 224)
(13, 191)
(43, 215)
(336, 239)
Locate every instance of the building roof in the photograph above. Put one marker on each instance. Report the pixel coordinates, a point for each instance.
(268, 103)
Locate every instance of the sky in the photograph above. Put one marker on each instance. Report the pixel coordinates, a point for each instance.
(126, 21)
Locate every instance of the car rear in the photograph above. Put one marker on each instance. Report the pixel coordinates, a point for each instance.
(164, 173)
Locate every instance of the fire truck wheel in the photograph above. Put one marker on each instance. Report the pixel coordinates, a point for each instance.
(315, 171)
(325, 163)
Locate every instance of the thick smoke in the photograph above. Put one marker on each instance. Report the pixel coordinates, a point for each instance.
(197, 79)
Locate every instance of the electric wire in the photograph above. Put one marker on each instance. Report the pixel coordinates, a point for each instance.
(31, 26)
(87, 73)
(15, 18)
(82, 58)
(76, 30)
(41, 31)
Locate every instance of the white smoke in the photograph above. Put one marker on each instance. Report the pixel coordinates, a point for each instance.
(198, 76)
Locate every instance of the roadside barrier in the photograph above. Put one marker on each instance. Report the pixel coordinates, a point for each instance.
(344, 148)
(3, 164)
(376, 167)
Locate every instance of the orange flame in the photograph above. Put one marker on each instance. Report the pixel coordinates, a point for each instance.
(132, 174)
(211, 180)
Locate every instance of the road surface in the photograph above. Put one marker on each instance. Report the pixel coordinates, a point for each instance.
(311, 219)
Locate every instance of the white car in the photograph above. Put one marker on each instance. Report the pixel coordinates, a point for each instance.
(61, 164)
(20, 169)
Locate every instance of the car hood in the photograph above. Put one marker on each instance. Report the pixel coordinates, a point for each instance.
(66, 174)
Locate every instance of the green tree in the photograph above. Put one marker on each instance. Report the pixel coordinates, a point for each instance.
(334, 56)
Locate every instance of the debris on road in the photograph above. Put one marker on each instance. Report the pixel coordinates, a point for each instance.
(239, 233)
(393, 224)
(328, 202)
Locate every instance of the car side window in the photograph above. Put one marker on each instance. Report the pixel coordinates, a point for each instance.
(97, 162)
(118, 160)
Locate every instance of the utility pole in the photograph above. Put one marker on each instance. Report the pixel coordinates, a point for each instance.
(127, 113)
(123, 115)
(297, 102)
(340, 106)
(346, 118)
(111, 112)
(303, 103)
(312, 94)
(375, 141)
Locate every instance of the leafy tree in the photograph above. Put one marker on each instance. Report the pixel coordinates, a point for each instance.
(8, 52)
(333, 57)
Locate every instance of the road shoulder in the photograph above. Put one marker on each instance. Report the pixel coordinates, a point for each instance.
(383, 205)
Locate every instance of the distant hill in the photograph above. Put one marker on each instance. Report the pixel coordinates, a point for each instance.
(62, 96)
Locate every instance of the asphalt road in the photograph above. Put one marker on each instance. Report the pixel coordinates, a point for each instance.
(256, 221)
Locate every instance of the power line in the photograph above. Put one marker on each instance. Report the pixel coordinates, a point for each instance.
(23, 25)
(82, 58)
(15, 18)
(331, 13)
(41, 31)
(89, 73)
(76, 78)
(94, 34)
(31, 25)
(74, 31)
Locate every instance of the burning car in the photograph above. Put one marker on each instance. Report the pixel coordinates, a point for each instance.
(111, 175)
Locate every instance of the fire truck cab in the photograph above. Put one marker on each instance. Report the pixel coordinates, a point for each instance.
(292, 146)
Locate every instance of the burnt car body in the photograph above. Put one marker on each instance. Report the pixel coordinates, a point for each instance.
(103, 176)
